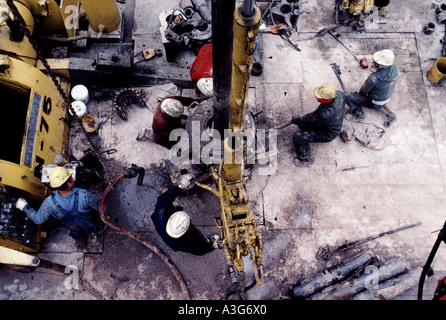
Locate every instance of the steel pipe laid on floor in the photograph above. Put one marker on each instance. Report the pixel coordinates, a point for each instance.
(328, 277)
(392, 287)
(367, 280)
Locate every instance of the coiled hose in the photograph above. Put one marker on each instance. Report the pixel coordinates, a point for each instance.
(130, 173)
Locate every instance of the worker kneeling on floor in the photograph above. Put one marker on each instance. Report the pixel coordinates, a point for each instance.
(377, 89)
(76, 208)
(322, 125)
(175, 227)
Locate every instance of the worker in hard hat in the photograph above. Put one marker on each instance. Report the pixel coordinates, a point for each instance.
(322, 125)
(76, 208)
(175, 226)
(377, 89)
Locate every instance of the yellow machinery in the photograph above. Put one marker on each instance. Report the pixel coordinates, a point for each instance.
(35, 105)
(357, 7)
(35, 115)
(237, 222)
(241, 235)
(360, 10)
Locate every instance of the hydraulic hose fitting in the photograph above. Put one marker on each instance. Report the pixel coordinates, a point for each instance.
(134, 171)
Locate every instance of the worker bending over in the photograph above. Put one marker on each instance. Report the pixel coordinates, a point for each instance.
(175, 227)
(322, 125)
(76, 208)
(377, 89)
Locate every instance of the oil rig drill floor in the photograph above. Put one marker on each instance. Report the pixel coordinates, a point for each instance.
(349, 193)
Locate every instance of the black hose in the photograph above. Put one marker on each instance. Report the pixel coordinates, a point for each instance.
(441, 237)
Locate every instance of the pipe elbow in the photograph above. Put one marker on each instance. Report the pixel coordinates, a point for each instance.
(134, 171)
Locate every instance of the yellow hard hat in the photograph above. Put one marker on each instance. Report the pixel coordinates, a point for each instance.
(59, 176)
(177, 224)
(325, 91)
(384, 57)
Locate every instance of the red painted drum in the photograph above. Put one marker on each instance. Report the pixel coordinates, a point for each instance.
(201, 70)
(167, 117)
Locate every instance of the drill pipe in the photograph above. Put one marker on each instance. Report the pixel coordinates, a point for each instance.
(158, 252)
(392, 287)
(222, 49)
(344, 291)
(335, 274)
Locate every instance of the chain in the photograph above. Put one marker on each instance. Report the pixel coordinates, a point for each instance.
(89, 288)
(56, 82)
(373, 260)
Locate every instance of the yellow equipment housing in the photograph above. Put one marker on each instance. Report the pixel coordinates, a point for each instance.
(58, 18)
(35, 122)
(103, 15)
(34, 111)
(35, 117)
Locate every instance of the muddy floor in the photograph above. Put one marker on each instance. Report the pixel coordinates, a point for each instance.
(351, 192)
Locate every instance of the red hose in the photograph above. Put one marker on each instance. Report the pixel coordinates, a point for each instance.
(146, 243)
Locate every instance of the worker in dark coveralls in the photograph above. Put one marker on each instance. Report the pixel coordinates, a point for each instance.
(322, 125)
(76, 208)
(175, 227)
(377, 89)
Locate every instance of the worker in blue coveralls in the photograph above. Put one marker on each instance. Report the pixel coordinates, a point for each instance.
(76, 208)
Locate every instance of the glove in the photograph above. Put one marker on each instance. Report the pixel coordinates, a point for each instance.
(296, 120)
(21, 203)
(216, 242)
(185, 181)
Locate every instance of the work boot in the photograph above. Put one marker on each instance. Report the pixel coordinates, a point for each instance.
(303, 162)
(391, 117)
(356, 115)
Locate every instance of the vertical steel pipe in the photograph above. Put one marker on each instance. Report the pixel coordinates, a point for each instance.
(248, 8)
(222, 50)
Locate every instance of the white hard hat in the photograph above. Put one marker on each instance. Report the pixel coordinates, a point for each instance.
(206, 86)
(384, 57)
(172, 107)
(177, 224)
